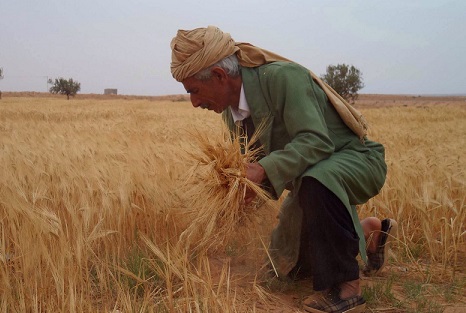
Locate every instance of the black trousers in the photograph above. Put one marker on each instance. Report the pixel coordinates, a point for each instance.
(329, 242)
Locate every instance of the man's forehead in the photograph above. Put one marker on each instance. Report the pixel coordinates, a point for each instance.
(189, 83)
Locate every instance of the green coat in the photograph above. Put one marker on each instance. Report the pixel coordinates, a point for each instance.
(305, 136)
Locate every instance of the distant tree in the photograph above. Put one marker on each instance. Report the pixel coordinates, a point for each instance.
(64, 87)
(346, 80)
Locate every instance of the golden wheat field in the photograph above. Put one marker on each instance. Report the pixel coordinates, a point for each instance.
(97, 195)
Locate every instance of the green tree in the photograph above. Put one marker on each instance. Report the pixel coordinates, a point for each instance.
(65, 87)
(346, 80)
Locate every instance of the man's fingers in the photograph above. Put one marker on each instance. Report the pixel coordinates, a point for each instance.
(249, 196)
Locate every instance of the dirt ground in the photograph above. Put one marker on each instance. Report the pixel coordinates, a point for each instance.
(287, 296)
(373, 101)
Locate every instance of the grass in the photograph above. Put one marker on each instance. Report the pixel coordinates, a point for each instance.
(93, 202)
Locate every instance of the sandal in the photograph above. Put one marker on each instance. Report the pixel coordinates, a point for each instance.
(376, 261)
(330, 302)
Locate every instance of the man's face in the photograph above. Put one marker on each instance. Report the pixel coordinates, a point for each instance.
(213, 94)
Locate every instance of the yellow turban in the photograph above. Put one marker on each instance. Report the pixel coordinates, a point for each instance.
(197, 49)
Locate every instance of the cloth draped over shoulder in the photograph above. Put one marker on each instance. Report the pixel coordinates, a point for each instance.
(197, 49)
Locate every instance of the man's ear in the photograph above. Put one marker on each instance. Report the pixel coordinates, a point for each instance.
(219, 73)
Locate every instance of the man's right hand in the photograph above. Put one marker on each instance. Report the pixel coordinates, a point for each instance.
(255, 173)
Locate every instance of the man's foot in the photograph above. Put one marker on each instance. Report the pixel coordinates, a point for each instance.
(378, 259)
(330, 302)
(300, 273)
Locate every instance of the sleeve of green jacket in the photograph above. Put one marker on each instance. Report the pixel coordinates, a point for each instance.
(291, 95)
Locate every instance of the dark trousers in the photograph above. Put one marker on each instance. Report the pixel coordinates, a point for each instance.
(329, 243)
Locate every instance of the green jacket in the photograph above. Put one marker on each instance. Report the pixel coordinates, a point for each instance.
(305, 136)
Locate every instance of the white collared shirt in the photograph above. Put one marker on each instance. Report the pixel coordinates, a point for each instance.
(243, 108)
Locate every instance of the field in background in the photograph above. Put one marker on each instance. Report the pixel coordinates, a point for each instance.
(92, 205)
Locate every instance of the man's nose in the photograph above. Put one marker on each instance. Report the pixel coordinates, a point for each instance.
(195, 102)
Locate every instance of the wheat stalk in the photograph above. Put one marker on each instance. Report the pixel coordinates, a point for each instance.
(216, 186)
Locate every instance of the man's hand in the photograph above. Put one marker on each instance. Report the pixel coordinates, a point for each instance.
(255, 173)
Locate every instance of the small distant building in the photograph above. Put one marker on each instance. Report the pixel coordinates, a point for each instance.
(110, 91)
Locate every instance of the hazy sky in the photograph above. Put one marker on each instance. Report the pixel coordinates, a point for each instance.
(401, 46)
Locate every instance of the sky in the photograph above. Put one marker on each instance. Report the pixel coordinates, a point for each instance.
(400, 46)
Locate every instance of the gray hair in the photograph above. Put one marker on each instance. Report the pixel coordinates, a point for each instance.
(229, 64)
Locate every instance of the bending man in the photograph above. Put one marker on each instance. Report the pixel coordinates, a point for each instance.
(315, 145)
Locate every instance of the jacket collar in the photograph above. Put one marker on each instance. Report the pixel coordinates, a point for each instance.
(260, 111)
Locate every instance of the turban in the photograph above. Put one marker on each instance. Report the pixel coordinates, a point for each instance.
(197, 49)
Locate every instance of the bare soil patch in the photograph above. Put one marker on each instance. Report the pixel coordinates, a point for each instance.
(375, 100)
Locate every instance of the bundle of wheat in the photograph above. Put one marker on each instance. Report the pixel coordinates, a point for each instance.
(216, 187)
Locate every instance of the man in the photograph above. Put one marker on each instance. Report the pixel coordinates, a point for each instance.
(315, 145)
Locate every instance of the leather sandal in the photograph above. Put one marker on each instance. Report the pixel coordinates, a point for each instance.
(376, 261)
(330, 302)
